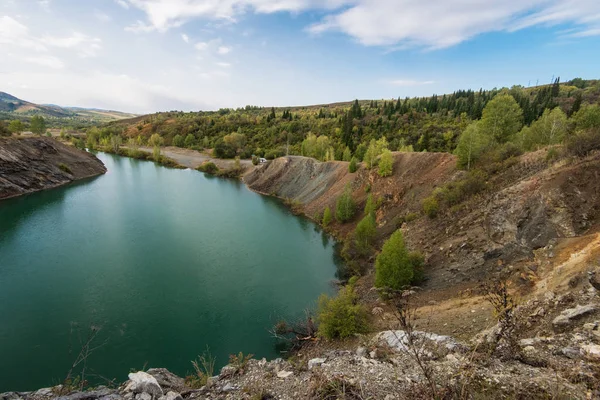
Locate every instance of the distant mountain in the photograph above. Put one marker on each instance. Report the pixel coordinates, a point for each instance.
(12, 107)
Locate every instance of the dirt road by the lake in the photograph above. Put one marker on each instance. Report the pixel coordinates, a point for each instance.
(193, 159)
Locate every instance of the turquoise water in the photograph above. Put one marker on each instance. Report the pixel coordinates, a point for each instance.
(166, 262)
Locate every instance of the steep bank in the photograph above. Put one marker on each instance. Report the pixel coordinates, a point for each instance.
(528, 206)
(31, 164)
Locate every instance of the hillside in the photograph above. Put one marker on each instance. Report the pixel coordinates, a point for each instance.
(12, 107)
(431, 124)
(31, 164)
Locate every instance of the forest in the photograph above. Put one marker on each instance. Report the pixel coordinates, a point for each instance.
(344, 130)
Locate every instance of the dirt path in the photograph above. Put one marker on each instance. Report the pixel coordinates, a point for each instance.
(193, 159)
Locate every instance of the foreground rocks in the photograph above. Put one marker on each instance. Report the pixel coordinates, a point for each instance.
(384, 367)
(32, 164)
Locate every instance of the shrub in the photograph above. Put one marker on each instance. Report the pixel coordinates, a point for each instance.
(341, 316)
(204, 368)
(386, 164)
(365, 233)
(208, 167)
(4, 130)
(583, 143)
(370, 205)
(240, 361)
(345, 207)
(255, 160)
(178, 141)
(395, 267)
(327, 217)
(431, 206)
(353, 165)
(64, 168)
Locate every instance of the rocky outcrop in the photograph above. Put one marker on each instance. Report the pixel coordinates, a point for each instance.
(31, 164)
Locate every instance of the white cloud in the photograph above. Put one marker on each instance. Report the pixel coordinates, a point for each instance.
(443, 23)
(224, 50)
(224, 64)
(432, 24)
(139, 27)
(122, 3)
(410, 82)
(45, 4)
(46, 61)
(101, 16)
(185, 38)
(13, 33)
(201, 46)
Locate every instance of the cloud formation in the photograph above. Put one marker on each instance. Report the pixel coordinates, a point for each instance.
(432, 24)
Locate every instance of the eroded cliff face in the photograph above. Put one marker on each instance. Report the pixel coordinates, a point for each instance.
(31, 164)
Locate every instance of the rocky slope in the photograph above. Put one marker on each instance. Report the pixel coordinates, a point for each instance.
(32, 164)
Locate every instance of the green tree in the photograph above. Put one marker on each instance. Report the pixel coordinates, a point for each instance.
(178, 141)
(365, 233)
(472, 143)
(376, 148)
(588, 117)
(156, 140)
(345, 206)
(16, 126)
(4, 130)
(549, 129)
(370, 205)
(502, 118)
(327, 217)
(386, 163)
(353, 165)
(342, 316)
(190, 140)
(395, 266)
(115, 142)
(347, 155)
(38, 125)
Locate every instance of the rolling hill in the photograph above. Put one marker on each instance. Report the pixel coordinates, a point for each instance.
(12, 107)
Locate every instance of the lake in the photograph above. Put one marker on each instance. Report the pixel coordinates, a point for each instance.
(165, 262)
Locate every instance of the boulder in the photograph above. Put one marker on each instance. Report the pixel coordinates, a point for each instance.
(167, 380)
(284, 374)
(143, 382)
(591, 351)
(315, 362)
(571, 314)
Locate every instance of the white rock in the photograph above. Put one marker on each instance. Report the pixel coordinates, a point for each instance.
(591, 351)
(315, 362)
(142, 382)
(398, 340)
(361, 352)
(284, 374)
(570, 314)
(143, 396)
(172, 396)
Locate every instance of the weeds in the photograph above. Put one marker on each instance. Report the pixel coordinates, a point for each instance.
(240, 362)
(323, 388)
(65, 168)
(204, 368)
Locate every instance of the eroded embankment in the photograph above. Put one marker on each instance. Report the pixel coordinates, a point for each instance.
(528, 205)
(32, 164)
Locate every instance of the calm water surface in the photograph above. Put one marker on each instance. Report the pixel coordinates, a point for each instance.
(165, 261)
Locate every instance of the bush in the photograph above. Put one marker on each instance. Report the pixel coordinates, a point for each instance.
(395, 267)
(341, 316)
(65, 168)
(327, 217)
(431, 206)
(353, 165)
(365, 233)
(583, 143)
(208, 167)
(345, 207)
(255, 160)
(386, 164)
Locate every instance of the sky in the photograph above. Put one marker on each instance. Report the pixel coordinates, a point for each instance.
(145, 56)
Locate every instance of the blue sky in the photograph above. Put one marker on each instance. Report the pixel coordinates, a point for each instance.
(154, 55)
